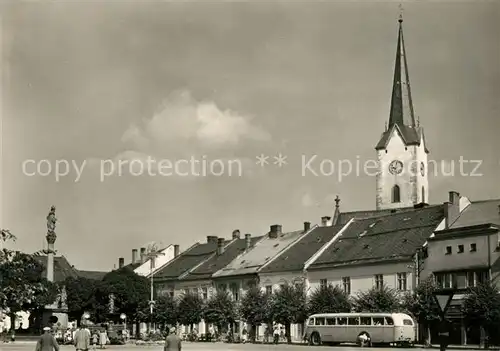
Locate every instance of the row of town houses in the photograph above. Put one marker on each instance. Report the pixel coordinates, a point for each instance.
(457, 241)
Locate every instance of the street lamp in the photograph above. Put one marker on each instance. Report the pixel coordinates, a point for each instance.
(152, 254)
(443, 299)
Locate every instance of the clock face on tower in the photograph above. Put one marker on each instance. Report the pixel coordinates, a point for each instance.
(422, 169)
(396, 167)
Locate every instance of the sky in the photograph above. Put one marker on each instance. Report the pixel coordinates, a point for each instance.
(93, 83)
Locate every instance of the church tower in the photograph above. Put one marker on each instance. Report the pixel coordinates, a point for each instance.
(401, 152)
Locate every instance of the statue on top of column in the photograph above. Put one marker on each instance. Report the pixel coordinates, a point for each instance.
(51, 221)
(51, 226)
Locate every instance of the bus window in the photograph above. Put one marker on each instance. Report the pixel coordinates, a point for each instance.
(320, 321)
(378, 320)
(407, 322)
(389, 321)
(311, 321)
(366, 320)
(353, 321)
(341, 321)
(330, 321)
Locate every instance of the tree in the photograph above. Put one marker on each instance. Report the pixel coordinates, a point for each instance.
(125, 292)
(377, 300)
(328, 299)
(165, 312)
(220, 310)
(254, 309)
(23, 285)
(289, 305)
(421, 304)
(81, 297)
(482, 307)
(190, 309)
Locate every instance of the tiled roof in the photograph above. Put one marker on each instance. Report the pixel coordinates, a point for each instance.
(133, 266)
(216, 262)
(62, 268)
(393, 236)
(479, 212)
(294, 258)
(94, 275)
(250, 261)
(347, 216)
(187, 260)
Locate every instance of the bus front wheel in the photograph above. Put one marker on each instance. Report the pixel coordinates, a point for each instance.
(315, 339)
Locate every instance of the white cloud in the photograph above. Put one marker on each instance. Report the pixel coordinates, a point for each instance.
(184, 123)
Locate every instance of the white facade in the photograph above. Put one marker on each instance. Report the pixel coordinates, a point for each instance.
(412, 178)
(355, 279)
(166, 255)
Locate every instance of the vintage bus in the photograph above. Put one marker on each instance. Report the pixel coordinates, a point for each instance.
(379, 328)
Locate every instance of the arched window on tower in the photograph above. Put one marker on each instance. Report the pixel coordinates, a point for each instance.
(423, 194)
(396, 196)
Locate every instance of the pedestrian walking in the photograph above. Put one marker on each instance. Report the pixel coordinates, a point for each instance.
(276, 334)
(173, 342)
(103, 338)
(82, 339)
(95, 339)
(47, 342)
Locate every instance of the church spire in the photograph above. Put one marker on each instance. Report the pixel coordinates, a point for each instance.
(401, 102)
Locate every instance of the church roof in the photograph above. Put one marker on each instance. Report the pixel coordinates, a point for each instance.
(395, 236)
(401, 115)
(216, 262)
(401, 102)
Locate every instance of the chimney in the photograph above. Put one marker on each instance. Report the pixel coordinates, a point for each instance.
(324, 220)
(307, 226)
(248, 241)
(220, 246)
(275, 231)
(176, 250)
(143, 254)
(211, 239)
(134, 256)
(236, 234)
(452, 208)
(121, 262)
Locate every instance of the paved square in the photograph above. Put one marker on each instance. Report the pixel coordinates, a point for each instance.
(198, 346)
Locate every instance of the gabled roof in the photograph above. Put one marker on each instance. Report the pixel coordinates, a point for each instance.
(93, 275)
(187, 260)
(216, 262)
(391, 237)
(250, 261)
(479, 212)
(133, 266)
(62, 268)
(294, 258)
(345, 217)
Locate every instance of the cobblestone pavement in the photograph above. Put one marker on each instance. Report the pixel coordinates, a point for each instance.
(202, 347)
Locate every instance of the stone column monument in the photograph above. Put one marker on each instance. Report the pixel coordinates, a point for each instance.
(56, 312)
(51, 240)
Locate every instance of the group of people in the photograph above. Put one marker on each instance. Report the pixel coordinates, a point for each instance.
(83, 340)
